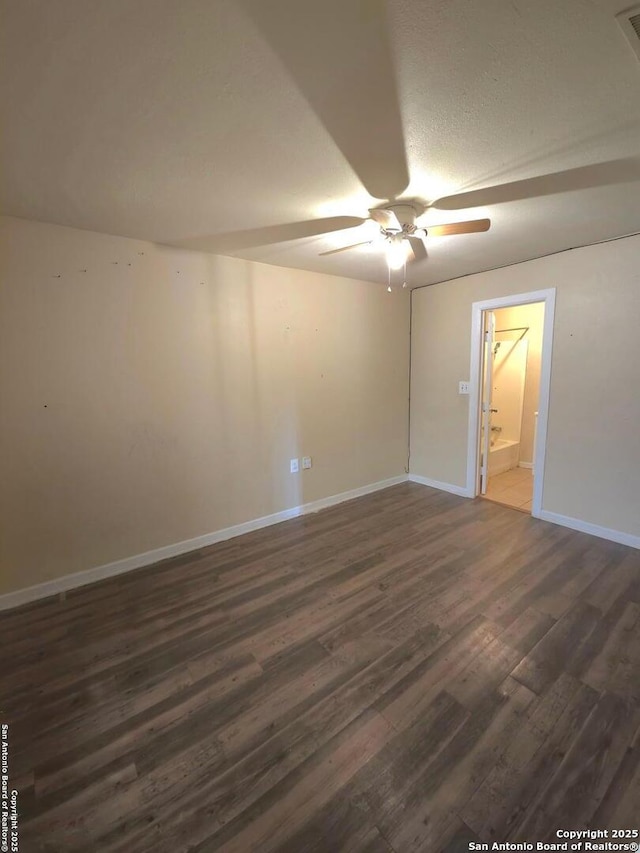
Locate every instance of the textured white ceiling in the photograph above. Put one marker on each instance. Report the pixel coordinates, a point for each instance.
(190, 121)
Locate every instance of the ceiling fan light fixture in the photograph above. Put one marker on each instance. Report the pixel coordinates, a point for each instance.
(371, 229)
(396, 252)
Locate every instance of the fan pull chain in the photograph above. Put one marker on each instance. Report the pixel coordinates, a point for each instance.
(404, 280)
(389, 278)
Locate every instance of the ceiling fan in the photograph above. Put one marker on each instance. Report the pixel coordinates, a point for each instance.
(355, 99)
(402, 238)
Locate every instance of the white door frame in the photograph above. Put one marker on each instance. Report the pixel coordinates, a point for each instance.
(484, 423)
(549, 298)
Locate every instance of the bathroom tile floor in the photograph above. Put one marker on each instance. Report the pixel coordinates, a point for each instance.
(513, 488)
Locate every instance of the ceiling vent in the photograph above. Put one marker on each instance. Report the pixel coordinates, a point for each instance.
(630, 24)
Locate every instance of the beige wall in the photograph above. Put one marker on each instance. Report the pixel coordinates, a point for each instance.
(159, 396)
(592, 470)
(533, 317)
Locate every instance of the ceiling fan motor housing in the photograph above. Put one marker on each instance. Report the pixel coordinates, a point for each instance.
(406, 213)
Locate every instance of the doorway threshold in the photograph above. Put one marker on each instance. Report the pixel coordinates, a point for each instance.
(507, 505)
(512, 488)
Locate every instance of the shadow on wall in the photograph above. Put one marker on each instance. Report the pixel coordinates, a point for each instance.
(253, 390)
(298, 370)
(153, 395)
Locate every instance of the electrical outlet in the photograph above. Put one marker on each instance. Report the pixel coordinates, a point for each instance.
(463, 387)
(295, 467)
(306, 462)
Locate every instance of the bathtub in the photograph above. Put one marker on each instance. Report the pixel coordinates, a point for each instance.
(503, 456)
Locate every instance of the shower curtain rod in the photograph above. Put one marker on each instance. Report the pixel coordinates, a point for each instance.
(515, 329)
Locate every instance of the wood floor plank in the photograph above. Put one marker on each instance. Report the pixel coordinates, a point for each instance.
(315, 787)
(457, 770)
(372, 796)
(408, 698)
(504, 799)
(482, 675)
(164, 721)
(616, 666)
(580, 783)
(620, 805)
(407, 671)
(552, 653)
(473, 753)
(252, 776)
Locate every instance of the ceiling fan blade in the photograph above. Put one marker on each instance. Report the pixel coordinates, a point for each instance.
(419, 249)
(346, 248)
(386, 219)
(235, 241)
(337, 53)
(584, 177)
(471, 226)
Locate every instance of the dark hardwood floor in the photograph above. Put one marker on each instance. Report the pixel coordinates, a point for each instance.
(406, 671)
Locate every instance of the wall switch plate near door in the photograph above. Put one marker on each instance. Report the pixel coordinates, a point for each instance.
(306, 462)
(463, 387)
(294, 466)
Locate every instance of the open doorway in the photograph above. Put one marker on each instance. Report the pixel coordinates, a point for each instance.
(510, 372)
(511, 369)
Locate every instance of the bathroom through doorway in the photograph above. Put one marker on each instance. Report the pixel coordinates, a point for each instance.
(510, 371)
(513, 360)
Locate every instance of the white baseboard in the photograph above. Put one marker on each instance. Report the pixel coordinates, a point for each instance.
(563, 520)
(462, 491)
(525, 464)
(67, 582)
(593, 529)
